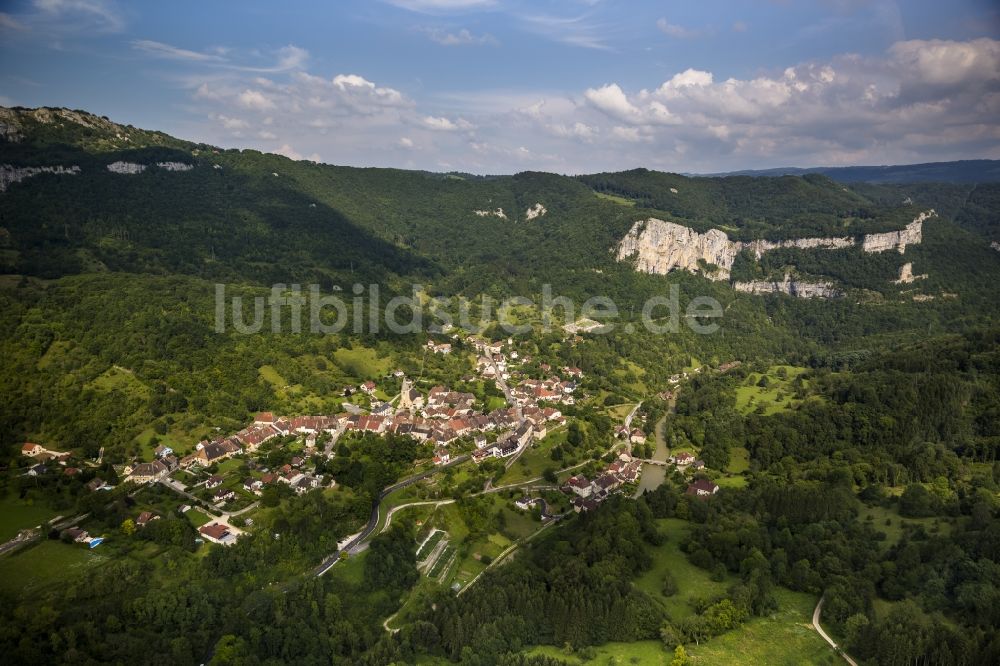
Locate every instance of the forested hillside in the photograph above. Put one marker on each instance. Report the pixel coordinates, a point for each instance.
(849, 444)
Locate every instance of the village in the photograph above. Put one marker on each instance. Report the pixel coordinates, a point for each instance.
(225, 476)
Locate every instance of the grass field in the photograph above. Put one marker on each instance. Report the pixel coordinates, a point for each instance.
(692, 582)
(785, 638)
(614, 198)
(640, 652)
(119, 379)
(351, 570)
(47, 563)
(16, 515)
(894, 530)
(777, 396)
(361, 362)
(533, 462)
(270, 375)
(197, 518)
(739, 460)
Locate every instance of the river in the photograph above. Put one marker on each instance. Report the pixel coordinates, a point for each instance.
(653, 475)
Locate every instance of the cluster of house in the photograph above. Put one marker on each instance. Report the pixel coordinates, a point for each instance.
(635, 435)
(589, 493)
(686, 460)
(439, 348)
(548, 390)
(44, 458)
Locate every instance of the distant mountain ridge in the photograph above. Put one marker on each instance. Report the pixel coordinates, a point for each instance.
(961, 171)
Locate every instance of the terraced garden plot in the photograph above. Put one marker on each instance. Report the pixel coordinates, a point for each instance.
(428, 545)
(443, 561)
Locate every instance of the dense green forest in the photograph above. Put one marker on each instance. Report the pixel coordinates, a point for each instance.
(867, 427)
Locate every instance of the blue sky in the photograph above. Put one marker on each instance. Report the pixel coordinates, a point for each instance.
(499, 86)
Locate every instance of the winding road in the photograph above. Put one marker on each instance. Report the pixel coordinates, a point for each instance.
(826, 637)
(355, 545)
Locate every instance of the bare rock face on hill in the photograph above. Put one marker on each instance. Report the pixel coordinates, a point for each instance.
(912, 234)
(759, 247)
(789, 287)
(11, 174)
(660, 247)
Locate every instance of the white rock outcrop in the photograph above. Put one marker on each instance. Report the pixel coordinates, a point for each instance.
(906, 275)
(911, 234)
(491, 213)
(128, 168)
(175, 166)
(660, 247)
(790, 287)
(535, 211)
(759, 247)
(995, 245)
(11, 174)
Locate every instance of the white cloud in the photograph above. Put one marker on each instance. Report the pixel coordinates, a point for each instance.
(578, 130)
(445, 124)
(941, 62)
(172, 52)
(96, 15)
(581, 31)
(919, 101)
(8, 22)
(255, 100)
(630, 134)
(231, 123)
(673, 30)
(611, 99)
(689, 77)
(441, 6)
(644, 110)
(461, 38)
(293, 154)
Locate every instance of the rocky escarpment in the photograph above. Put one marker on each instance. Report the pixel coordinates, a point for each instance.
(132, 168)
(906, 275)
(535, 211)
(491, 213)
(911, 234)
(11, 174)
(759, 247)
(175, 166)
(790, 287)
(660, 247)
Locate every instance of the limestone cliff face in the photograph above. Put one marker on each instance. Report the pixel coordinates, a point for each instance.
(129, 168)
(906, 275)
(660, 247)
(10, 174)
(491, 213)
(790, 287)
(912, 234)
(535, 211)
(759, 247)
(175, 166)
